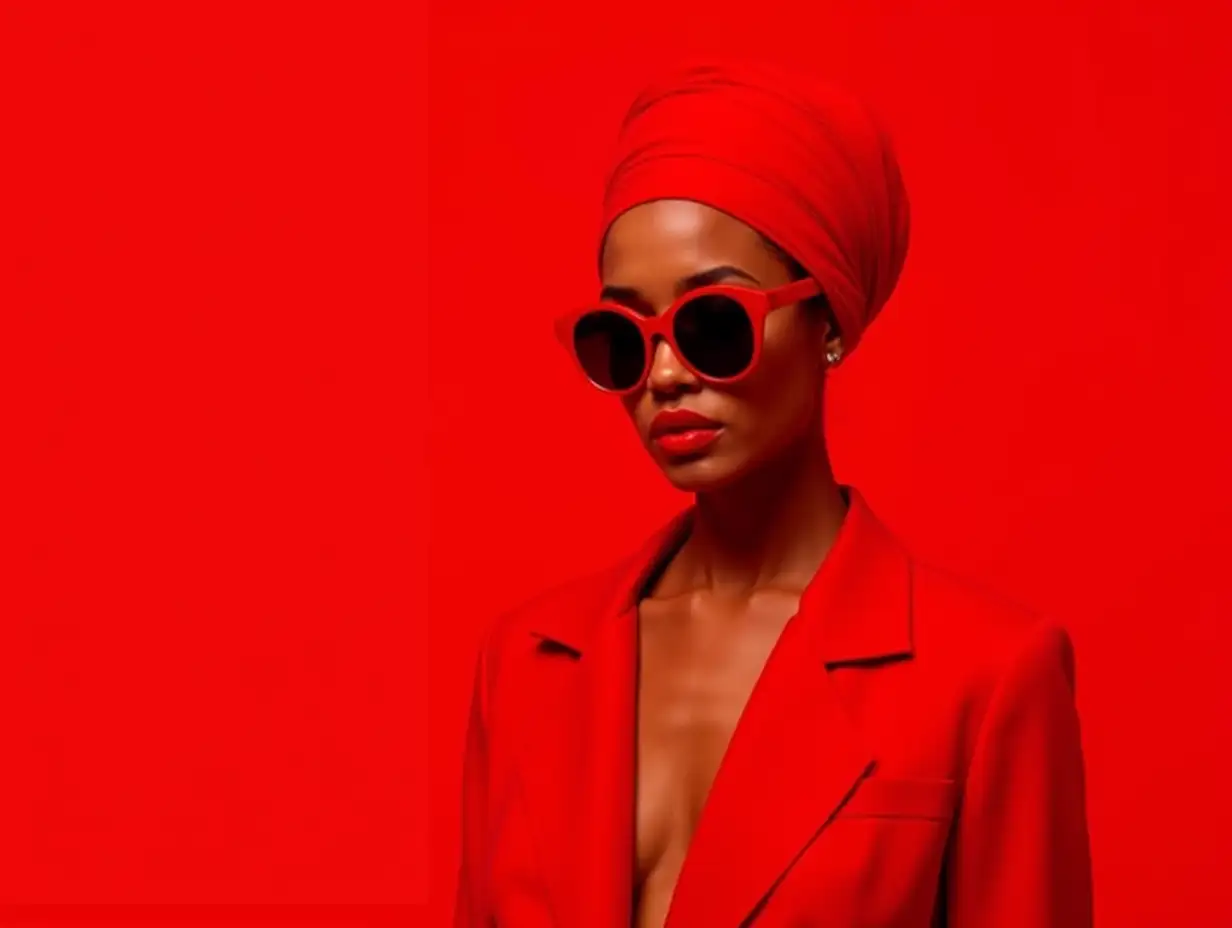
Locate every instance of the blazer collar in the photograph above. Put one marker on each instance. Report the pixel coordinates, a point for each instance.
(859, 602)
(578, 739)
(797, 753)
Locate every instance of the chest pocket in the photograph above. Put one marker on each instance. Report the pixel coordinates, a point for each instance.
(876, 863)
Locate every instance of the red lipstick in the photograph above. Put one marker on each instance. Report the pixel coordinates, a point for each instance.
(681, 431)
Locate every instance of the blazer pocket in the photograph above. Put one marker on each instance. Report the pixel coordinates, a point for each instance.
(897, 797)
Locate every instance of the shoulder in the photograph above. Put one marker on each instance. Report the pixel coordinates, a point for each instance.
(573, 598)
(957, 621)
(562, 615)
(991, 651)
(567, 614)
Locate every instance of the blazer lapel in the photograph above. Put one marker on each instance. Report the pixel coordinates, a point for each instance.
(577, 762)
(794, 759)
(577, 768)
(795, 756)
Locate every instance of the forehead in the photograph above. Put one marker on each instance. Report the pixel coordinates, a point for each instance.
(673, 238)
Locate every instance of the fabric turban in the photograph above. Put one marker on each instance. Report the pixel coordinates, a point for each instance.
(798, 160)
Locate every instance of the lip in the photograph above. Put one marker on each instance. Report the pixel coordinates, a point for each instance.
(681, 431)
(672, 421)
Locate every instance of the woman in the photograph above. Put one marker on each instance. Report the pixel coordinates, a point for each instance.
(771, 714)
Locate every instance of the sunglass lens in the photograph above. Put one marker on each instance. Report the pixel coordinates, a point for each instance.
(715, 334)
(611, 349)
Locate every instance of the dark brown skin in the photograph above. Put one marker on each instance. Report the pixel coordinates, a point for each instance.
(768, 509)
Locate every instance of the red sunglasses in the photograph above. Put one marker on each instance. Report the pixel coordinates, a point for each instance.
(716, 332)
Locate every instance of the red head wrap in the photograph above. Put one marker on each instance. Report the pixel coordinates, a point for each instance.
(798, 160)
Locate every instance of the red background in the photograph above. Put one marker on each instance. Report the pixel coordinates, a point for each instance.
(242, 322)
(212, 671)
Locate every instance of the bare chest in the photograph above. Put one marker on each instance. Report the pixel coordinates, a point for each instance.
(698, 664)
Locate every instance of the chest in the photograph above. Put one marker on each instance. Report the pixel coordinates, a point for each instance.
(698, 663)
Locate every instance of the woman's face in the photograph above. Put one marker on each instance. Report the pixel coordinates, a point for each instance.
(656, 252)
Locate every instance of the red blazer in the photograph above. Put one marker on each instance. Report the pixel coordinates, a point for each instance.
(909, 757)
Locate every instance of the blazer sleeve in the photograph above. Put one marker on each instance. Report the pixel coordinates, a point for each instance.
(471, 909)
(1020, 856)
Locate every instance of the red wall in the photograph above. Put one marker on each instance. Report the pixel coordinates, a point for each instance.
(212, 672)
(234, 334)
(1044, 406)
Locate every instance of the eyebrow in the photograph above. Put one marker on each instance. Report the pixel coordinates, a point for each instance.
(707, 278)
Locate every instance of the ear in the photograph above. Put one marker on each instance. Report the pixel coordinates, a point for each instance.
(832, 340)
(834, 348)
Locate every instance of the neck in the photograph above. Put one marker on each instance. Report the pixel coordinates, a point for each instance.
(772, 528)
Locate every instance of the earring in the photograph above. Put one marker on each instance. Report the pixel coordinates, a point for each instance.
(834, 355)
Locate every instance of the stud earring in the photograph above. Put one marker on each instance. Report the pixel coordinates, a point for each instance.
(834, 355)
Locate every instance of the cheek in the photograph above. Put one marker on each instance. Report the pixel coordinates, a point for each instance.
(791, 331)
(776, 406)
(632, 406)
(789, 378)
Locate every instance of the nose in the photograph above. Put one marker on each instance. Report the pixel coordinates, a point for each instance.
(667, 373)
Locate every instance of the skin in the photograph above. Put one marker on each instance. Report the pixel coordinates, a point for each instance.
(767, 510)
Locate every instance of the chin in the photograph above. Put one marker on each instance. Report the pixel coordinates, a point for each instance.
(703, 474)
